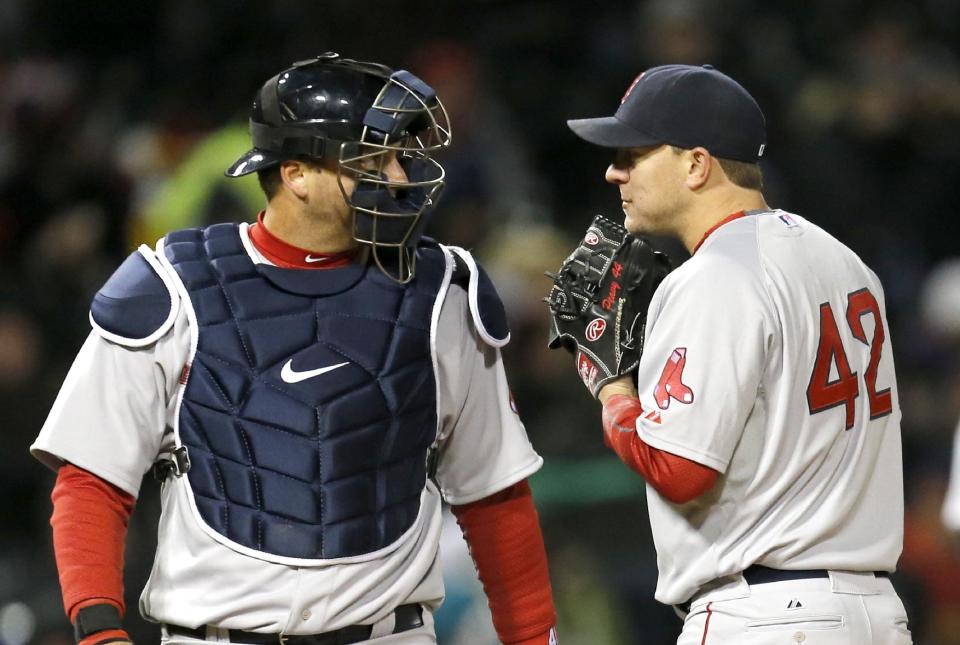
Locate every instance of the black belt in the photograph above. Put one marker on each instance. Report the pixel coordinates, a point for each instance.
(407, 617)
(757, 574)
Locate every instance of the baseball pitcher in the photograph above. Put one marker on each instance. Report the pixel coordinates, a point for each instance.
(753, 387)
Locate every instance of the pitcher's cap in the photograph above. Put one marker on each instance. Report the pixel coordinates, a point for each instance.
(684, 106)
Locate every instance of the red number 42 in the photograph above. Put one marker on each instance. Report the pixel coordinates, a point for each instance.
(822, 393)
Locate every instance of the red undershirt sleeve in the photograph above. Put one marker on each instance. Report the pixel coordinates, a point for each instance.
(89, 521)
(503, 533)
(677, 479)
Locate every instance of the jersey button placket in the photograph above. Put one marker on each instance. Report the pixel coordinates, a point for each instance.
(306, 614)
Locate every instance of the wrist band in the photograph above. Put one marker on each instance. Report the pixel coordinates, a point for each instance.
(96, 618)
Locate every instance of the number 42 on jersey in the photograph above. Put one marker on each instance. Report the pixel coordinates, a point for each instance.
(822, 393)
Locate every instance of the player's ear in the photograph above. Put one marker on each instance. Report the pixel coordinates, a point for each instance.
(699, 166)
(293, 174)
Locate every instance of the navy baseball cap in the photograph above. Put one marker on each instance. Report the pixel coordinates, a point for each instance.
(684, 106)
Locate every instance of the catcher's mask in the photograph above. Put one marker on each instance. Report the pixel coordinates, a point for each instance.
(358, 114)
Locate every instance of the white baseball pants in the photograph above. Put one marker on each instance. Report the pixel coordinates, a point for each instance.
(845, 609)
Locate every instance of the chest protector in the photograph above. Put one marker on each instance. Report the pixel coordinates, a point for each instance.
(311, 402)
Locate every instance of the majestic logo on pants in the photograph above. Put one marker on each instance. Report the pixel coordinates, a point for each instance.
(670, 385)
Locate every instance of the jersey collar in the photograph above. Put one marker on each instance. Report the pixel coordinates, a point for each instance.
(289, 256)
(728, 218)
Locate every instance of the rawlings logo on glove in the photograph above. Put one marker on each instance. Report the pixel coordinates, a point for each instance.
(598, 304)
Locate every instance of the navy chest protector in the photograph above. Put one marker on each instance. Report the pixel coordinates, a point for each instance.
(310, 403)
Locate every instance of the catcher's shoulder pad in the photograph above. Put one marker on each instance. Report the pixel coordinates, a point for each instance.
(486, 308)
(137, 304)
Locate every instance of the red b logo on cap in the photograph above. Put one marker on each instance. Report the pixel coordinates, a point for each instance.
(632, 85)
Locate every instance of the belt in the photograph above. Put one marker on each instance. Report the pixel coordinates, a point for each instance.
(757, 574)
(407, 617)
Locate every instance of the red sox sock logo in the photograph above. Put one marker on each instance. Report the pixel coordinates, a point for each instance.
(670, 385)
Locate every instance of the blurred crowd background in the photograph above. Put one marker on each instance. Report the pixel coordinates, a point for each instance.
(118, 118)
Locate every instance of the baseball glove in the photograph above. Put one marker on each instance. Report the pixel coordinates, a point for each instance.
(598, 304)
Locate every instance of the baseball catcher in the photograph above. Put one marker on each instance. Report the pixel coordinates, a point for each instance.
(309, 388)
(598, 303)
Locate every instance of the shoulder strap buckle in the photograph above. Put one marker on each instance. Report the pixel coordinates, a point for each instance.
(433, 461)
(178, 464)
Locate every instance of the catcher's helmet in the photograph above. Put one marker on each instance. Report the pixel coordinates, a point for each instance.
(352, 112)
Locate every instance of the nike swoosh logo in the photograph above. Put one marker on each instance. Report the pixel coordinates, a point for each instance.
(290, 376)
(310, 258)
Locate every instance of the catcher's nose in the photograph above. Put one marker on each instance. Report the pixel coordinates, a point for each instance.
(394, 171)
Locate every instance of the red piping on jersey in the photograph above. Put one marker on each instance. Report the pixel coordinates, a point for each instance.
(503, 533)
(706, 625)
(728, 218)
(289, 256)
(677, 479)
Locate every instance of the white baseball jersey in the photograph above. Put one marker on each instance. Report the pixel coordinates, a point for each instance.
(113, 418)
(951, 503)
(768, 359)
